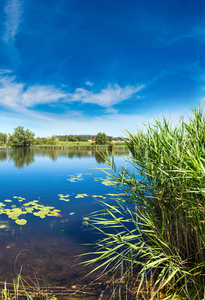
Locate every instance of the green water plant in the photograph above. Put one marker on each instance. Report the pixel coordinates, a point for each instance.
(75, 178)
(153, 244)
(15, 212)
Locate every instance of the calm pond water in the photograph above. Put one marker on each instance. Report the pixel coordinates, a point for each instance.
(51, 191)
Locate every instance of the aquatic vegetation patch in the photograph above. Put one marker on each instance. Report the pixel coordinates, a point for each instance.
(154, 233)
(64, 197)
(108, 182)
(32, 207)
(99, 196)
(81, 195)
(21, 221)
(75, 178)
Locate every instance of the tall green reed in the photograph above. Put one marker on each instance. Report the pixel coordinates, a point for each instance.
(154, 233)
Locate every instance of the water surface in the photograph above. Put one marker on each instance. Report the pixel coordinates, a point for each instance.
(46, 249)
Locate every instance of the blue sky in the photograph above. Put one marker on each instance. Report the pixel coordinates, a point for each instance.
(85, 66)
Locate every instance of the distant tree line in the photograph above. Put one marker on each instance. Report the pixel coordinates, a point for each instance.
(45, 141)
(79, 138)
(26, 138)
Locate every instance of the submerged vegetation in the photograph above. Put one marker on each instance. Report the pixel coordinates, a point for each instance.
(153, 244)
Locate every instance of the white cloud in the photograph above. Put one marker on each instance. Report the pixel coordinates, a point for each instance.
(37, 94)
(15, 96)
(89, 83)
(10, 92)
(107, 97)
(13, 11)
(5, 71)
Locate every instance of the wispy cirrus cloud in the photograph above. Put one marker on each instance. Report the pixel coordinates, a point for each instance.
(111, 95)
(13, 15)
(196, 33)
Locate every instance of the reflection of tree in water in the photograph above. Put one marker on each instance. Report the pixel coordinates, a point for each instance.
(79, 153)
(3, 155)
(52, 154)
(99, 157)
(22, 156)
(25, 156)
(55, 153)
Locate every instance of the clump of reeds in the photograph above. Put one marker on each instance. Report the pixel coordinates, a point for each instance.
(154, 234)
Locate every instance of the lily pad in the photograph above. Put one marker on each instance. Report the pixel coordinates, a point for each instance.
(39, 214)
(2, 226)
(81, 195)
(21, 221)
(29, 209)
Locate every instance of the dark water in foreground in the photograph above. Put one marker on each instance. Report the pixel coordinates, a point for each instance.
(45, 250)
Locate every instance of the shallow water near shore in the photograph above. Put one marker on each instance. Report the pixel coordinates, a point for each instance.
(52, 191)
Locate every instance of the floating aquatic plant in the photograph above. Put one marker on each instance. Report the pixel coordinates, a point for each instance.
(107, 182)
(64, 197)
(32, 207)
(21, 221)
(81, 195)
(74, 178)
(99, 196)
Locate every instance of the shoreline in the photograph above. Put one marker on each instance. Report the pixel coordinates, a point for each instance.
(82, 147)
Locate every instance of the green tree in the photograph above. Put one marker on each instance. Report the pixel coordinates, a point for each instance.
(72, 138)
(21, 137)
(3, 138)
(101, 139)
(51, 141)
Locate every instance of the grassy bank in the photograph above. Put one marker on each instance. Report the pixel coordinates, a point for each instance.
(154, 241)
(82, 145)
